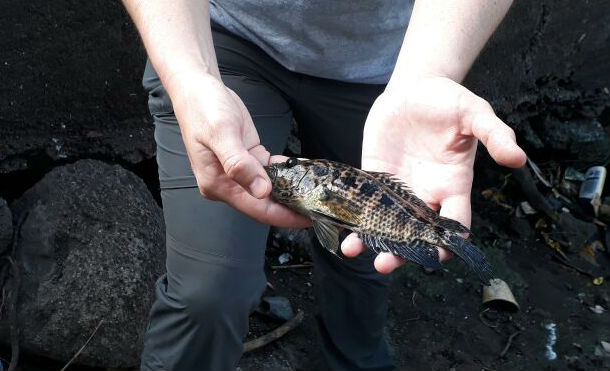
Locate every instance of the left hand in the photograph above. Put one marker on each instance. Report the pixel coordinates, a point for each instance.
(426, 134)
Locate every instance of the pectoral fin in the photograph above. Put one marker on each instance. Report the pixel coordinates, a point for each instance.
(328, 234)
(337, 209)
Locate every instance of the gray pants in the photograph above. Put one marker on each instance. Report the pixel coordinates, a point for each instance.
(215, 254)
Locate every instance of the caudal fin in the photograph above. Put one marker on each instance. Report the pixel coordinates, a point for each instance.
(474, 258)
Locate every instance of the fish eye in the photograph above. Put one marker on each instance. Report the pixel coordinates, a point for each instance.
(292, 161)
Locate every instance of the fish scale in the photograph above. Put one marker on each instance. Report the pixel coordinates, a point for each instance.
(387, 216)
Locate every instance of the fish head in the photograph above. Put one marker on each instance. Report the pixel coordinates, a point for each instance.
(286, 178)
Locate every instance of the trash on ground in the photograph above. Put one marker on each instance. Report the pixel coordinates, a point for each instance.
(538, 173)
(573, 174)
(591, 189)
(597, 281)
(284, 258)
(499, 296)
(276, 307)
(551, 340)
(527, 208)
(598, 309)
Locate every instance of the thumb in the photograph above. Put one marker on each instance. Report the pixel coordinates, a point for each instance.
(479, 119)
(243, 165)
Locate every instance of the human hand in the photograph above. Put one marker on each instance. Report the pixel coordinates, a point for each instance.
(224, 149)
(427, 134)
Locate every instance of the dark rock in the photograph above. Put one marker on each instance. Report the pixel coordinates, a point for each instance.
(6, 226)
(546, 48)
(584, 140)
(545, 67)
(71, 85)
(90, 248)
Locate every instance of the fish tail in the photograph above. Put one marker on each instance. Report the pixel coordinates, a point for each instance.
(474, 258)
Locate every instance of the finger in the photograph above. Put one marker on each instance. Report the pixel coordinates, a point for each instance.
(479, 119)
(261, 154)
(456, 208)
(267, 211)
(275, 159)
(385, 263)
(352, 246)
(241, 165)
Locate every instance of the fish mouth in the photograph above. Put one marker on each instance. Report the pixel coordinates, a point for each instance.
(271, 171)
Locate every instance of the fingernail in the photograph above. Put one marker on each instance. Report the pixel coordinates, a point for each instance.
(258, 187)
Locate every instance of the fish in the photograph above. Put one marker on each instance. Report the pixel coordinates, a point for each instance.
(379, 207)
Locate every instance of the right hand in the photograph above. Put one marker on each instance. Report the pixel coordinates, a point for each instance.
(224, 149)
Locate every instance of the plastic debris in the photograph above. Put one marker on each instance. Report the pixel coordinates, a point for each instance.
(538, 173)
(591, 189)
(276, 307)
(603, 350)
(597, 281)
(598, 309)
(499, 296)
(527, 208)
(284, 258)
(551, 340)
(573, 174)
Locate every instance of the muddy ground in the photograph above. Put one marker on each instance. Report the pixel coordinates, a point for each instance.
(436, 320)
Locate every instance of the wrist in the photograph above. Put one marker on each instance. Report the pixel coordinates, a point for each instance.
(409, 75)
(185, 78)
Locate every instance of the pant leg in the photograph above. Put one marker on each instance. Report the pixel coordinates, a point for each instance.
(215, 255)
(352, 296)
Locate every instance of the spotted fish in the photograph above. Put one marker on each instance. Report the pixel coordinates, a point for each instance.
(387, 216)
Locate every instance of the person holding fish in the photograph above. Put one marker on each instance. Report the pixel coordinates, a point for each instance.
(374, 84)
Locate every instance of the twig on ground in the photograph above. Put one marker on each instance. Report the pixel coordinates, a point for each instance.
(485, 322)
(275, 334)
(567, 264)
(509, 342)
(292, 266)
(84, 346)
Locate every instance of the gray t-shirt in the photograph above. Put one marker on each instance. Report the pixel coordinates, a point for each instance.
(347, 40)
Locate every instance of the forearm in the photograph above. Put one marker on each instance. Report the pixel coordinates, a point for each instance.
(444, 37)
(177, 37)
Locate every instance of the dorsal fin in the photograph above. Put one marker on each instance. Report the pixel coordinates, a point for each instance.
(414, 204)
